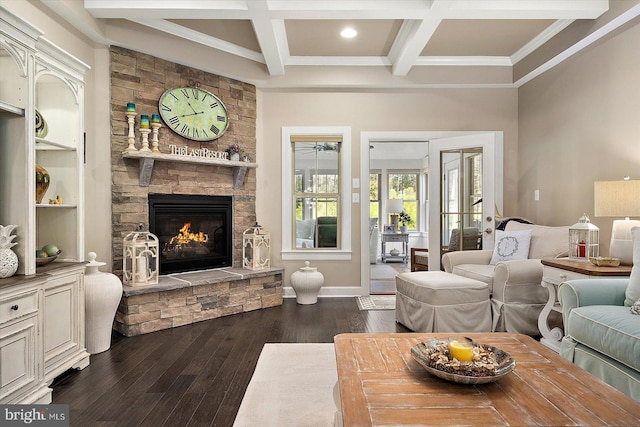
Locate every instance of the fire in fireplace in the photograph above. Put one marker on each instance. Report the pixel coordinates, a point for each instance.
(194, 232)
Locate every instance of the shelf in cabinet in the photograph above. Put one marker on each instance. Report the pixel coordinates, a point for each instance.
(8, 108)
(55, 206)
(43, 144)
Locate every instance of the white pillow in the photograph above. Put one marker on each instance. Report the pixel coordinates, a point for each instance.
(511, 245)
(632, 294)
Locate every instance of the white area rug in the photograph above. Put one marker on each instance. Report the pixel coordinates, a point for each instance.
(381, 271)
(377, 302)
(291, 386)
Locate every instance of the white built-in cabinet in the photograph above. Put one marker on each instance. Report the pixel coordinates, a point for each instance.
(41, 308)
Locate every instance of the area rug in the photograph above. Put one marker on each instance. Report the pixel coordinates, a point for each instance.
(377, 302)
(382, 272)
(291, 386)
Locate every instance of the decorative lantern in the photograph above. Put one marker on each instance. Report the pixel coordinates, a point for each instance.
(140, 261)
(583, 240)
(256, 248)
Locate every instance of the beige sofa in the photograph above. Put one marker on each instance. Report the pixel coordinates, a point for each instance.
(517, 296)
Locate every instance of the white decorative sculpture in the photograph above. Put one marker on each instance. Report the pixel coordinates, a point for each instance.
(8, 258)
(307, 282)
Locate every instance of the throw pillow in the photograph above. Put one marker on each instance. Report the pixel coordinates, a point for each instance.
(511, 245)
(635, 308)
(632, 294)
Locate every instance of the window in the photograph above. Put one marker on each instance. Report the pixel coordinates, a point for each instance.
(404, 186)
(316, 206)
(374, 196)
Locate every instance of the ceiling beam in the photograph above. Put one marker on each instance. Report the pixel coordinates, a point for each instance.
(203, 39)
(520, 9)
(271, 35)
(411, 40)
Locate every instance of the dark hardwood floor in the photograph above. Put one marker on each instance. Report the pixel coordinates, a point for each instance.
(196, 375)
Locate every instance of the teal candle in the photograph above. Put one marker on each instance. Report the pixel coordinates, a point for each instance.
(131, 107)
(144, 121)
(155, 118)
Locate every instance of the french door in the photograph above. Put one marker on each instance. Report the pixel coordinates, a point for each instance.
(465, 187)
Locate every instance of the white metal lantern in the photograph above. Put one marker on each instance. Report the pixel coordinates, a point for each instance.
(583, 240)
(140, 261)
(256, 248)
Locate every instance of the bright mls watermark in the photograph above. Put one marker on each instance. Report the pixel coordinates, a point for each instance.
(34, 415)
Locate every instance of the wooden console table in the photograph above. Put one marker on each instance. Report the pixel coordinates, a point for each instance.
(556, 271)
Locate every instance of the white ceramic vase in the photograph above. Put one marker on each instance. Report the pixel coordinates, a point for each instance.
(235, 157)
(8, 258)
(103, 292)
(307, 282)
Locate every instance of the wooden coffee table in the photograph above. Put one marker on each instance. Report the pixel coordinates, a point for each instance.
(381, 384)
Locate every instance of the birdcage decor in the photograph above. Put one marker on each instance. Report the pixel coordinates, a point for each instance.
(583, 240)
(256, 248)
(140, 261)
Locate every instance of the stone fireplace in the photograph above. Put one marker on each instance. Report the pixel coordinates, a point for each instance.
(186, 296)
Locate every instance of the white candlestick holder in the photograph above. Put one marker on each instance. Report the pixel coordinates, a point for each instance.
(154, 137)
(131, 119)
(145, 139)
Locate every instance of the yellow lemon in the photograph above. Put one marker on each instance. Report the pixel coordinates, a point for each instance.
(461, 350)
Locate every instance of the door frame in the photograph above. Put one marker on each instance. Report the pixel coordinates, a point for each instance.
(367, 137)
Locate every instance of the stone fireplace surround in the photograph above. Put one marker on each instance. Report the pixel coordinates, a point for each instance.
(182, 298)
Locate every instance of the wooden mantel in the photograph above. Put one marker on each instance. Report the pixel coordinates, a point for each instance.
(148, 158)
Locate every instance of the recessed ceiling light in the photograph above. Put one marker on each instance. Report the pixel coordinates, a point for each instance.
(348, 33)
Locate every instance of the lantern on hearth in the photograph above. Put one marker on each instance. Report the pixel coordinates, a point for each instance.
(140, 261)
(256, 248)
(583, 240)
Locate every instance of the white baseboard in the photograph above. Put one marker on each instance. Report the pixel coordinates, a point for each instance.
(328, 292)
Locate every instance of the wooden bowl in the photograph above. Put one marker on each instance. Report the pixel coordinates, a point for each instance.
(506, 364)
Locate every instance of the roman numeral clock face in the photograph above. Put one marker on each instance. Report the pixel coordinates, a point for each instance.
(193, 113)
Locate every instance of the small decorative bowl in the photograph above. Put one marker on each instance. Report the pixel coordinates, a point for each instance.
(602, 261)
(506, 364)
(47, 260)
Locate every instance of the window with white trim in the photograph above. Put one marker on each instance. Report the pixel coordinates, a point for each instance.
(316, 206)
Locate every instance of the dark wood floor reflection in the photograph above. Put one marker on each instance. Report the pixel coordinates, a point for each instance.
(196, 375)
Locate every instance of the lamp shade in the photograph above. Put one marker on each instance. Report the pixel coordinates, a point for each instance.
(617, 198)
(394, 205)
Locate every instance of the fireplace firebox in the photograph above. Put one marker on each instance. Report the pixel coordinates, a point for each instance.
(194, 231)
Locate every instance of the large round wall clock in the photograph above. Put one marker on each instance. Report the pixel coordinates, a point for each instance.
(193, 113)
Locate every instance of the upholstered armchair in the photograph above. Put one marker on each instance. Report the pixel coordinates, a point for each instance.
(517, 295)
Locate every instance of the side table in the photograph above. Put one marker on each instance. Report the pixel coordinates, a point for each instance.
(557, 271)
(395, 237)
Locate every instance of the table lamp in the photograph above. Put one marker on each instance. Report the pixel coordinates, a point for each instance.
(394, 207)
(619, 199)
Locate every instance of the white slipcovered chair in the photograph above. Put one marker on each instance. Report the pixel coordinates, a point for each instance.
(517, 296)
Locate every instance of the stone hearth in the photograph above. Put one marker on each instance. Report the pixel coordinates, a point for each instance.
(185, 298)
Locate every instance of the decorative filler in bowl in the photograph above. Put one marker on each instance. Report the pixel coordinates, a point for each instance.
(488, 363)
(602, 261)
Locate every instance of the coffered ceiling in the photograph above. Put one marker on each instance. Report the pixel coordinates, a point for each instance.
(297, 42)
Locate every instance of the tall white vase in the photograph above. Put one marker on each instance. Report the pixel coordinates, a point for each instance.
(307, 282)
(103, 294)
